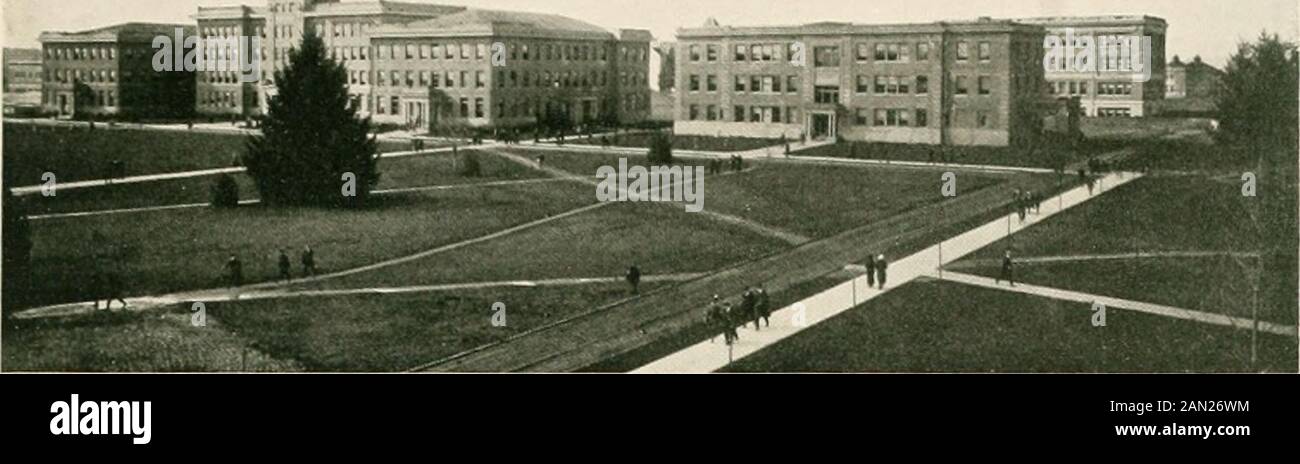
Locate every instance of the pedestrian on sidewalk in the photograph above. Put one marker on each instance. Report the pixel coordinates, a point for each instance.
(882, 267)
(763, 306)
(1006, 273)
(729, 320)
(748, 308)
(871, 270)
(634, 278)
(714, 318)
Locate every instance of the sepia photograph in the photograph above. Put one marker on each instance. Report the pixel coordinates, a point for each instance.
(675, 187)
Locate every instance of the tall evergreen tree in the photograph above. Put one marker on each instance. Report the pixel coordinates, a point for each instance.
(1257, 102)
(312, 138)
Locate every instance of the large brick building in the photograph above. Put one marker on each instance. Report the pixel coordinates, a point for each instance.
(109, 71)
(423, 65)
(963, 83)
(1106, 91)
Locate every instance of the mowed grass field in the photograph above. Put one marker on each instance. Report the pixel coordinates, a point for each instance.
(79, 154)
(1151, 215)
(658, 238)
(815, 201)
(395, 173)
(930, 326)
(175, 250)
(128, 341)
(384, 333)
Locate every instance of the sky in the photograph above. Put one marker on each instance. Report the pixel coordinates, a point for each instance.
(1209, 28)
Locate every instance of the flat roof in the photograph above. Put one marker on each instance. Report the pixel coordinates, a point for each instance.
(983, 25)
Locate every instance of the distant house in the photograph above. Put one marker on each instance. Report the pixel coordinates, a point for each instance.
(1191, 88)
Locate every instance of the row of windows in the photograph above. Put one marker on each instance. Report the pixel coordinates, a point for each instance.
(504, 79)
(91, 75)
(892, 52)
(101, 98)
(476, 108)
(891, 117)
(222, 99)
(883, 85)
(1071, 88)
(742, 113)
(220, 77)
(515, 51)
(81, 53)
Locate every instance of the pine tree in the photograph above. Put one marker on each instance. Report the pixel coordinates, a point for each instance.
(312, 138)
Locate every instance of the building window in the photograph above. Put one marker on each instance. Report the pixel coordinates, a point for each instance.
(985, 87)
(960, 86)
(963, 51)
(986, 51)
(740, 84)
(922, 85)
(741, 52)
(861, 117)
(695, 83)
(711, 53)
(464, 107)
(826, 94)
(892, 118)
(395, 105)
(738, 113)
(478, 107)
(982, 119)
(864, 83)
(711, 113)
(694, 112)
(864, 51)
(922, 51)
(922, 118)
(712, 83)
(826, 56)
(792, 84)
(695, 53)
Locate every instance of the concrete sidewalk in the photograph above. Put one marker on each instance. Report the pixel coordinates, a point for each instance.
(708, 357)
(1112, 302)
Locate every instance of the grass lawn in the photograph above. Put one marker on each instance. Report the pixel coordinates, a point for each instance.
(1149, 215)
(150, 341)
(929, 326)
(382, 333)
(683, 142)
(995, 156)
(659, 239)
(812, 200)
(402, 172)
(185, 249)
(78, 154)
(1212, 284)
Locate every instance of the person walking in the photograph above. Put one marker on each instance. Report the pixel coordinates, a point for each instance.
(748, 309)
(882, 267)
(634, 278)
(763, 306)
(235, 271)
(729, 320)
(1006, 273)
(871, 270)
(714, 318)
(308, 261)
(284, 267)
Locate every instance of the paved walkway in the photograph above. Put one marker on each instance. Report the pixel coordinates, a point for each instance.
(1112, 302)
(994, 262)
(143, 303)
(146, 209)
(80, 184)
(787, 321)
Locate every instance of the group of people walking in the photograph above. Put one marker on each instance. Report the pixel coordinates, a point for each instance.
(734, 163)
(723, 318)
(234, 268)
(1025, 201)
(877, 271)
